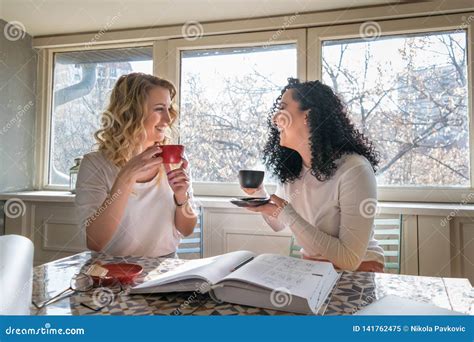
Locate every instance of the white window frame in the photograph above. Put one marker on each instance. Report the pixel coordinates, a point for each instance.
(316, 37)
(171, 70)
(308, 40)
(45, 99)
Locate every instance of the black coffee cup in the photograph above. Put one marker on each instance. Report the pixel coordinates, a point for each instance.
(251, 178)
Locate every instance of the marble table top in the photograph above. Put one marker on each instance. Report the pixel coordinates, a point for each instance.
(353, 291)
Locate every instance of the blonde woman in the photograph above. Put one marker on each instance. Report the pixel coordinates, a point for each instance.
(125, 200)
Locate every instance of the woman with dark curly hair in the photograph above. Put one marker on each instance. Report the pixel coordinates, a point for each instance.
(326, 172)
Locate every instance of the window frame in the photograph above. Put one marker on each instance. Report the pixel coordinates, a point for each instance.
(45, 96)
(316, 37)
(309, 40)
(171, 68)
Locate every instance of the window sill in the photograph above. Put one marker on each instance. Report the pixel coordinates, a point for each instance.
(68, 197)
(405, 208)
(40, 196)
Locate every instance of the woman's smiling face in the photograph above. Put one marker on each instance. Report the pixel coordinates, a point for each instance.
(157, 117)
(291, 122)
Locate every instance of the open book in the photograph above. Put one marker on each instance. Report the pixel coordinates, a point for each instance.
(268, 280)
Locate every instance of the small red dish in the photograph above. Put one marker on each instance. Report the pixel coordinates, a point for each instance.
(123, 272)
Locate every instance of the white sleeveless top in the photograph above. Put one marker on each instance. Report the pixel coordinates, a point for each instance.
(147, 226)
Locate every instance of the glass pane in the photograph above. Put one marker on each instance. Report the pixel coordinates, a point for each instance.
(226, 96)
(81, 88)
(408, 94)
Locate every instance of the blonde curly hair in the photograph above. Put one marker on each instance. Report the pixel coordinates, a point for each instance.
(123, 131)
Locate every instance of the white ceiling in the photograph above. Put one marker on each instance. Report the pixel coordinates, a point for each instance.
(51, 17)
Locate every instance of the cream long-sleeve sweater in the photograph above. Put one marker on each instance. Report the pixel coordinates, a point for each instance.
(333, 220)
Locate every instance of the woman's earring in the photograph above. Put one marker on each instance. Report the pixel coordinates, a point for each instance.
(306, 120)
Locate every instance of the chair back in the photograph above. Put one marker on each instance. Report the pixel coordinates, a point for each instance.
(190, 246)
(16, 274)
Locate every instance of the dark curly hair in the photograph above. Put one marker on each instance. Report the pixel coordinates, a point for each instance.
(332, 134)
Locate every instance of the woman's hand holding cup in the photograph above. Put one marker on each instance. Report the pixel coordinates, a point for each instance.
(142, 166)
(176, 167)
(178, 180)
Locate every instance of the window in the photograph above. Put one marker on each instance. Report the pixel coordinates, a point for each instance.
(408, 94)
(406, 87)
(226, 96)
(82, 82)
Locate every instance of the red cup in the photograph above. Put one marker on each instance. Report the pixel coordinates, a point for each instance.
(172, 154)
